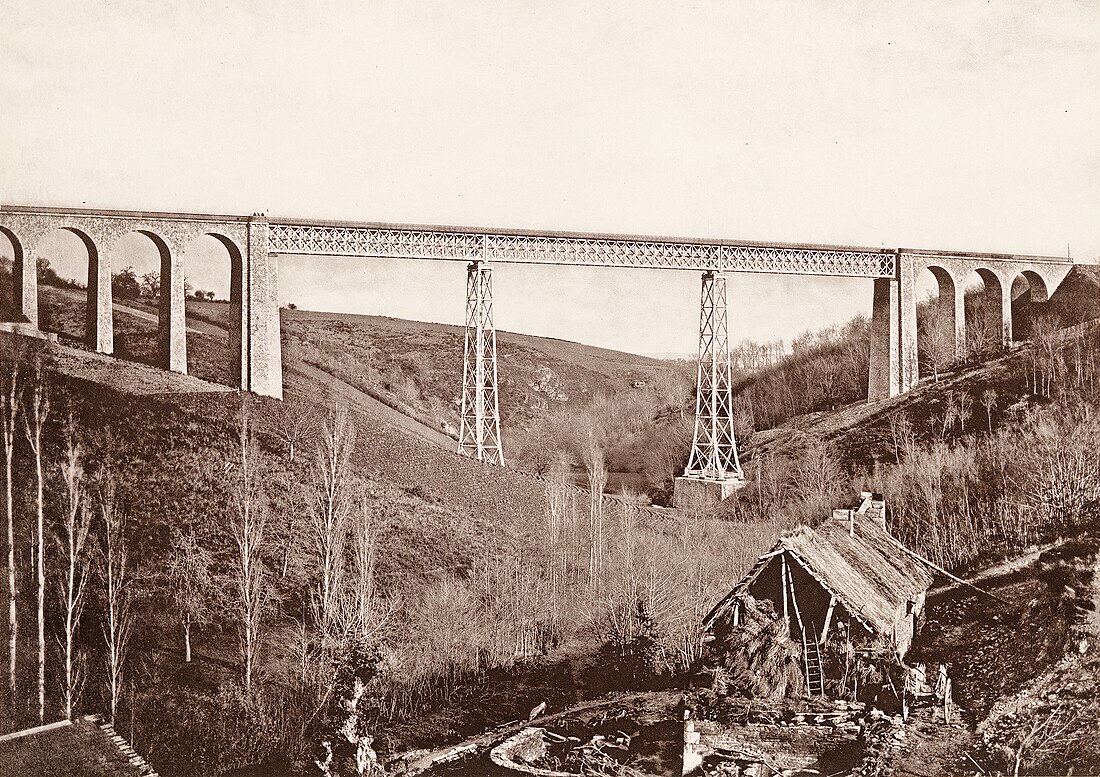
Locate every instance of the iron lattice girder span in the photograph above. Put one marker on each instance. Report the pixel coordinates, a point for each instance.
(254, 242)
(593, 250)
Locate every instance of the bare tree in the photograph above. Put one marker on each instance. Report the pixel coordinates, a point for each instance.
(9, 417)
(989, 400)
(937, 343)
(295, 422)
(248, 536)
(950, 414)
(35, 413)
(119, 619)
(901, 429)
(364, 591)
(190, 583)
(77, 523)
(332, 502)
(818, 474)
(964, 408)
(596, 467)
(1047, 356)
(979, 337)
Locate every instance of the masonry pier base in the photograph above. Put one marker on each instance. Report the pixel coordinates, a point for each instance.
(696, 493)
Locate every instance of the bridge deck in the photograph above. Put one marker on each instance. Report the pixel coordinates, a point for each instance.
(466, 244)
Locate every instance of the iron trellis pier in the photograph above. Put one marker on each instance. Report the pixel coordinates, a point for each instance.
(479, 436)
(714, 447)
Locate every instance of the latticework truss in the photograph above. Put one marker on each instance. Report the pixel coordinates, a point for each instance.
(412, 242)
(714, 447)
(479, 436)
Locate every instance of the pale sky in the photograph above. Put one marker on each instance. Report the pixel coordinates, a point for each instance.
(960, 125)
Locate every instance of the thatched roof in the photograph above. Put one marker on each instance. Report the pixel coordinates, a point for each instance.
(856, 560)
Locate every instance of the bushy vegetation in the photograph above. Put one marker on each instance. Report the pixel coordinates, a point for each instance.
(255, 545)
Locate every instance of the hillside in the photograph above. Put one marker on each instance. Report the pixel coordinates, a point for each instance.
(485, 582)
(474, 571)
(409, 373)
(418, 365)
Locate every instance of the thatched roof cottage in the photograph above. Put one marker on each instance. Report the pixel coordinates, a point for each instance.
(847, 579)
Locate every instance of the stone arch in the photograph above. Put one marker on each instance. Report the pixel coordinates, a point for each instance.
(996, 316)
(24, 300)
(1029, 295)
(940, 325)
(94, 261)
(1036, 284)
(236, 372)
(171, 325)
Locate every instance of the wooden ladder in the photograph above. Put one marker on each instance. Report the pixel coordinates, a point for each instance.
(811, 653)
(811, 657)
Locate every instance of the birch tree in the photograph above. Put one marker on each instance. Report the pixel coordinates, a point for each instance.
(989, 401)
(247, 529)
(74, 575)
(369, 620)
(35, 413)
(118, 617)
(596, 466)
(9, 418)
(331, 505)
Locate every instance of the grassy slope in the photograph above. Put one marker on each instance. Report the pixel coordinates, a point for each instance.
(438, 512)
(420, 364)
(483, 495)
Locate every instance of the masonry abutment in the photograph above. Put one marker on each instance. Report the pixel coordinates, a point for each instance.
(1006, 311)
(884, 372)
(261, 346)
(99, 318)
(959, 319)
(172, 316)
(907, 321)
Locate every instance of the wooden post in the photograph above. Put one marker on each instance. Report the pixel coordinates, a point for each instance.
(828, 619)
(794, 602)
(783, 582)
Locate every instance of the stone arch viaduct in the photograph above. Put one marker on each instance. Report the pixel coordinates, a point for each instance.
(253, 244)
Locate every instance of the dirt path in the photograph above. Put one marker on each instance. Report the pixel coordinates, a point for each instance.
(1001, 568)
